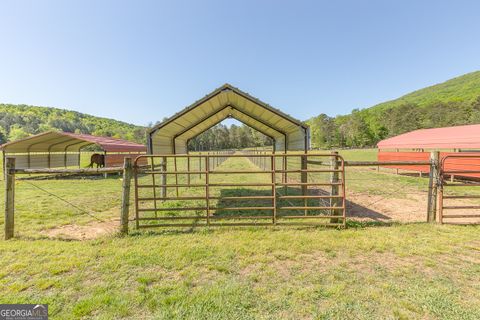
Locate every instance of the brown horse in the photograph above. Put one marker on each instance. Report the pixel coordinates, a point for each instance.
(98, 159)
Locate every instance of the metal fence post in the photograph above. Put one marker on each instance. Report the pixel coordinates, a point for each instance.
(304, 180)
(9, 175)
(207, 187)
(433, 183)
(127, 176)
(274, 189)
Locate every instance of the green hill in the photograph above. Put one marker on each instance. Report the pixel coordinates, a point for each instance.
(19, 121)
(453, 102)
(464, 88)
(450, 103)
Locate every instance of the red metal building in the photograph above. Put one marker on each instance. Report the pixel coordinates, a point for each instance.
(417, 145)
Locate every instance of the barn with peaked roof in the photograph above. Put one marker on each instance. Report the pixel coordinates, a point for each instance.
(172, 135)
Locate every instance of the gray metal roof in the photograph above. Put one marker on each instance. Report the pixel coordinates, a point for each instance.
(53, 141)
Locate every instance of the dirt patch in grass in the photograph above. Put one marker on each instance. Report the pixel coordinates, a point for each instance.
(412, 208)
(83, 232)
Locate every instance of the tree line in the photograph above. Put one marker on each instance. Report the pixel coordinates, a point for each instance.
(364, 128)
(361, 128)
(221, 137)
(20, 121)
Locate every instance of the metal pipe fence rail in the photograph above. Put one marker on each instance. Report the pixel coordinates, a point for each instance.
(462, 204)
(433, 164)
(303, 188)
(237, 196)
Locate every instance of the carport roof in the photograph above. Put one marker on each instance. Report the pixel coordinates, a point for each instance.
(228, 101)
(53, 141)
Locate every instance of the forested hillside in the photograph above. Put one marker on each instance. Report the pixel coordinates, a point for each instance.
(19, 121)
(454, 102)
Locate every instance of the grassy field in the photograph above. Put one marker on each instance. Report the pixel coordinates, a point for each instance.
(368, 271)
(399, 272)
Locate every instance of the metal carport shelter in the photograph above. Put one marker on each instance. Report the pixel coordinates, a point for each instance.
(172, 135)
(62, 149)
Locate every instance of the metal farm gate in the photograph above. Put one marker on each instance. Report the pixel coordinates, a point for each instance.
(459, 200)
(241, 189)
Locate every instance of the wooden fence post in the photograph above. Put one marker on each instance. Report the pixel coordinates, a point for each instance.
(433, 182)
(163, 179)
(9, 175)
(127, 176)
(334, 187)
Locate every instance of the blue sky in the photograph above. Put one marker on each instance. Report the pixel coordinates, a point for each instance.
(140, 61)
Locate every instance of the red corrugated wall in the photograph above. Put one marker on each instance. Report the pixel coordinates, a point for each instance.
(116, 159)
(451, 164)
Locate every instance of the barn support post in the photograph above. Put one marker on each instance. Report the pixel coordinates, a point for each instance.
(188, 168)
(334, 201)
(127, 177)
(105, 163)
(433, 184)
(199, 166)
(4, 163)
(9, 197)
(285, 175)
(176, 174)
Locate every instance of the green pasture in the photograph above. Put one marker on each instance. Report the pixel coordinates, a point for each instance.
(367, 271)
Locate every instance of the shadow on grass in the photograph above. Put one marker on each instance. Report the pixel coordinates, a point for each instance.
(354, 210)
(227, 211)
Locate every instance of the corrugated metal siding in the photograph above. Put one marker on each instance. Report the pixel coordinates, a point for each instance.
(39, 161)
(117, 159)
(454, 164)
(296, 140)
